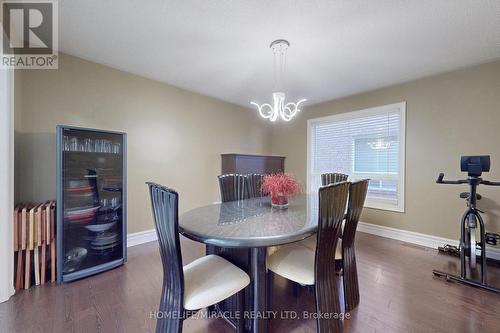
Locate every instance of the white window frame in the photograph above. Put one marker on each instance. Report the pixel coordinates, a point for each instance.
(370, 202)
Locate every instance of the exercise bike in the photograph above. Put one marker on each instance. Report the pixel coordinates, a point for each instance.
(472, 225)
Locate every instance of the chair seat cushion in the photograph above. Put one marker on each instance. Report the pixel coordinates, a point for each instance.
(211, 279)
(294, 262)
(310, 243)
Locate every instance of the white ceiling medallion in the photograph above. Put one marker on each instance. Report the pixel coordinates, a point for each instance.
(279, 108)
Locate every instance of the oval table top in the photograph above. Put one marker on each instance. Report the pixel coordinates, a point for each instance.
(251, 222)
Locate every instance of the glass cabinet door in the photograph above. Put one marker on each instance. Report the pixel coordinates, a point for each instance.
(92, 192)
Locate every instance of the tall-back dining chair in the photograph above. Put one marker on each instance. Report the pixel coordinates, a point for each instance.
(326, 179)
(233, 187)
(254, 184)
(357, 196)
(332, 178)
(332, 203)
(202, 283)
(316, 267)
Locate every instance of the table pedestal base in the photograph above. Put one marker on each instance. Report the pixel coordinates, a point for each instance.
(258, 278)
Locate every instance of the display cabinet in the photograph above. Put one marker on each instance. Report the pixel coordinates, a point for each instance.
(91, 201)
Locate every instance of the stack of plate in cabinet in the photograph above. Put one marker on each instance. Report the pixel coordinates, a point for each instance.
(105, 241)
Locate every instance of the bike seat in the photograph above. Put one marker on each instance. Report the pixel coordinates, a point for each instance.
(465, 195)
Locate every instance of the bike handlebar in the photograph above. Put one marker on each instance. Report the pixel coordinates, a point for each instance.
(440, 180)
(487, 182)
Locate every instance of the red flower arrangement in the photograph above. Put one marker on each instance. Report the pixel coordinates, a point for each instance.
(280, 186)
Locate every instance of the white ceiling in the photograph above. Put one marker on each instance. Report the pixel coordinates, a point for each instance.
(338, 48)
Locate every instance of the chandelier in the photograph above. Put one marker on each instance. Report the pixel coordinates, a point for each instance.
(380, 144)
(279, 108)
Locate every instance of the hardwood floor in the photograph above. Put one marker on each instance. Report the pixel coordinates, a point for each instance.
(398, 294)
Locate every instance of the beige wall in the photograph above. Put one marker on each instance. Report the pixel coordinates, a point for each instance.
(449, 115)
(174, 134)
(175, 137)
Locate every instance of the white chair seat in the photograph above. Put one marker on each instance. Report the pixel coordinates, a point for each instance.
(294, 262)
(338, 250)
(310, 243)
(211, 279)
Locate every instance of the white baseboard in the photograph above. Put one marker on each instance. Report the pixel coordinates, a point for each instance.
(378, 230)
(417, 238)
(141, 237)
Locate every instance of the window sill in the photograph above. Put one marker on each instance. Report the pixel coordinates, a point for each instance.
(384, 206)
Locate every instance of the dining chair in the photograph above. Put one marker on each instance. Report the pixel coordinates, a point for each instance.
(254, 184)
(233, 187)
(201, 283)
(347, 255)
(316, 267)
(326, 178)
(332, 178)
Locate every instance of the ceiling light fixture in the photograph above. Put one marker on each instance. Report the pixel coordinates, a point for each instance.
(279, 108)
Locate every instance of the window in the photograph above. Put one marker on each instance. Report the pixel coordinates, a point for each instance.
(363, 144)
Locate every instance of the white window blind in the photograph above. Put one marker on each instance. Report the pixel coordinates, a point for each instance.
(363, 144)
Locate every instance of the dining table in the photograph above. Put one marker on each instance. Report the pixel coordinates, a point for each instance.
(255, 225)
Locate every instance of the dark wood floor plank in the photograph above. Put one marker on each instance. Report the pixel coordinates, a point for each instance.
(398, 294)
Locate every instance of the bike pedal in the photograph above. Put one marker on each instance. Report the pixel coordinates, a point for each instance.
(449, 249)
(492, 238)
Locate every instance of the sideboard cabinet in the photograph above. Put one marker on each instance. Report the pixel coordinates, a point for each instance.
(243, 164)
